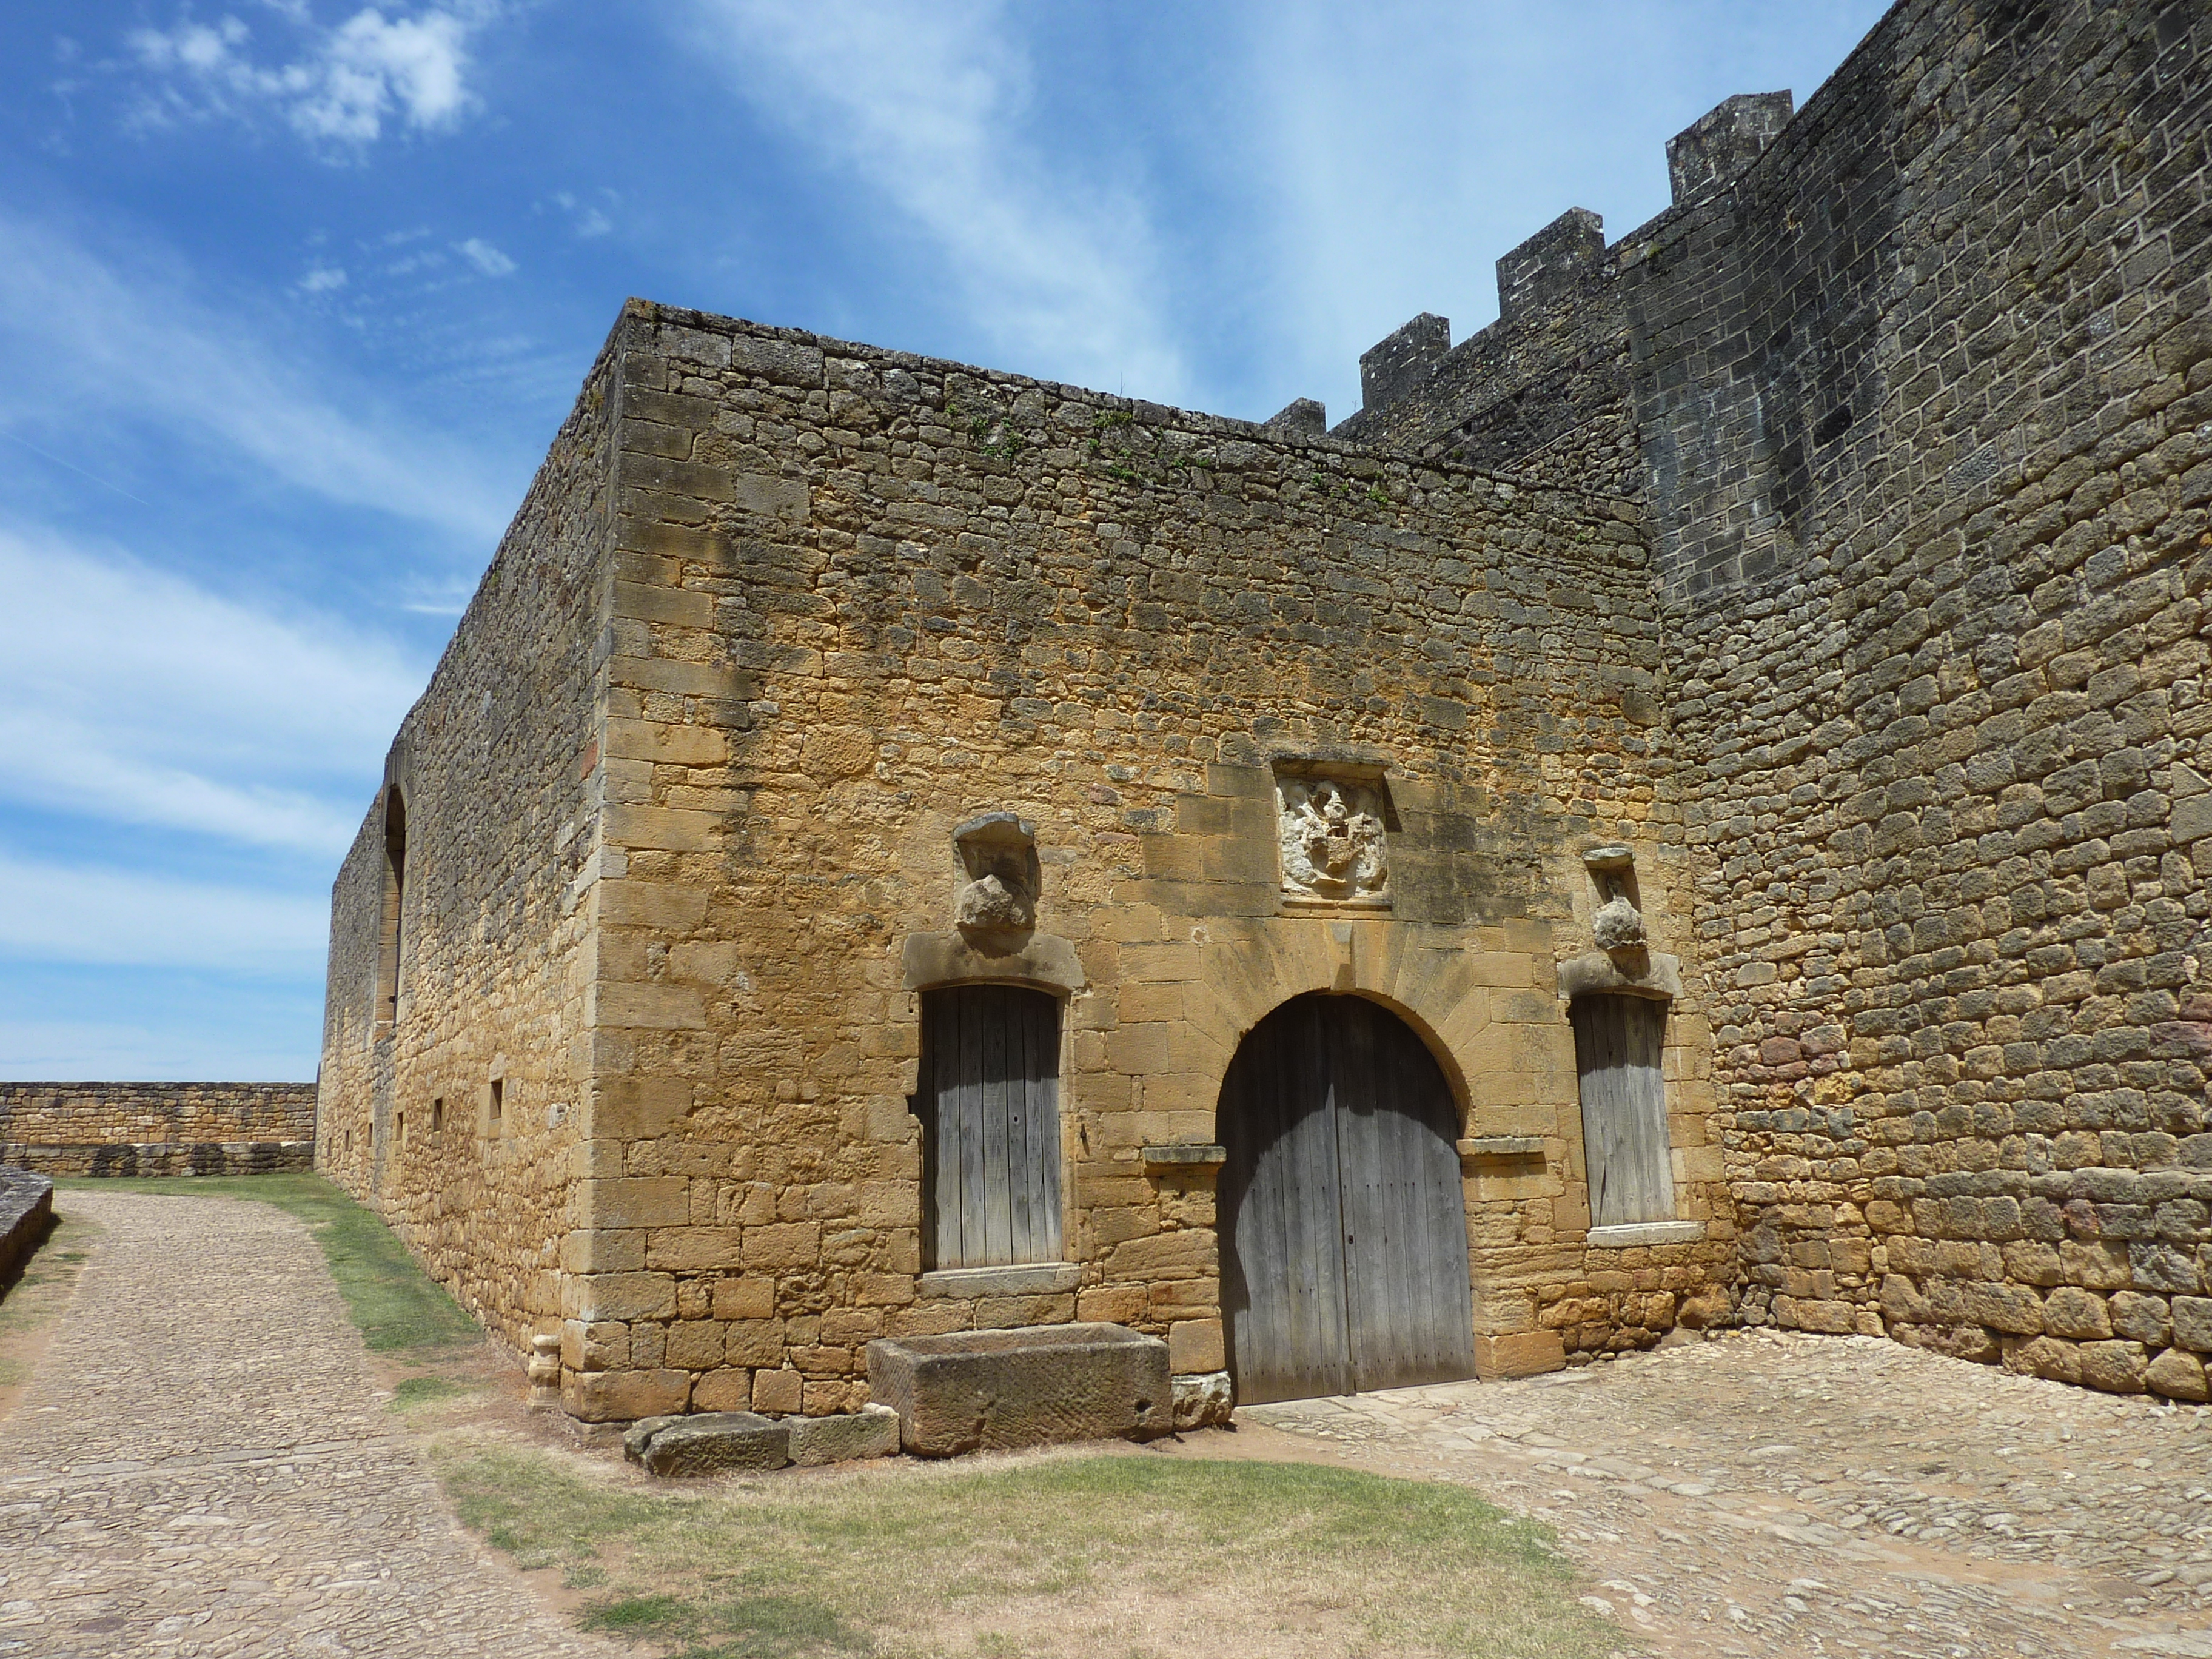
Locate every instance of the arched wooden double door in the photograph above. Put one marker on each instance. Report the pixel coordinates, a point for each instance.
(1343, 1258)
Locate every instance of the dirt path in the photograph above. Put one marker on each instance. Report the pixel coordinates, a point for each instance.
(200, 1466)
(1765, 1494)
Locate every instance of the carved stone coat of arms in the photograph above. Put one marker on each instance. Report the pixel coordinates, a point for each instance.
(1332, 839)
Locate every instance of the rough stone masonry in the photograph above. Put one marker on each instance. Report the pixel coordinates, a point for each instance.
(1815, 572)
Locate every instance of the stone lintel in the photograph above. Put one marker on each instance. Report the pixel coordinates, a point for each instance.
(1502, 1146)
(1596, 971)
(1044, 960)
(1634, 1233)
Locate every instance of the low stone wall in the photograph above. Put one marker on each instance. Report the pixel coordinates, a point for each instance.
(26, 1205)
(157, 1129)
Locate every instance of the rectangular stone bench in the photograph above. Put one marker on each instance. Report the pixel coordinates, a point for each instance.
(995, 1390)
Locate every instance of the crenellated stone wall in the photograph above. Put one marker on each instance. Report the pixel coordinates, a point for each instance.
(1835, 543)
(1921, 382)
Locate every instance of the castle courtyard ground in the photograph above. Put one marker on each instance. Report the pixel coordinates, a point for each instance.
(204, 1458)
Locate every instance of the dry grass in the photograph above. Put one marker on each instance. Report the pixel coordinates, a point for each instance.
(1117, 1554)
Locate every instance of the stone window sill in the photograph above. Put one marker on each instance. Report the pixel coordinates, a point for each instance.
(1646, 1232)
(1039, 1279)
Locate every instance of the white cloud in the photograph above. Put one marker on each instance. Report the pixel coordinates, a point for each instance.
(87, 913)
(323, 279)
(346, 84)
(484, 257)
(188, 1044)
(927, 105)
(131, 696)
(126, 339)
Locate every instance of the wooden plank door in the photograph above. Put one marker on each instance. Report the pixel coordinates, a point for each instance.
(989, 1103)
(1343, 1227)
(1405, 1210)
(1283, 1266)
(1617, 1048)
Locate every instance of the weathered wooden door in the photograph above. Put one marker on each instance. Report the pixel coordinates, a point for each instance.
(989, 1105)
(1617, 1045)
(1342, 1221)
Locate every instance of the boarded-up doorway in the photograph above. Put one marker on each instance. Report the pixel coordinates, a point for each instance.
(1617, 1054)
(1343, 1225)
(989, 1105)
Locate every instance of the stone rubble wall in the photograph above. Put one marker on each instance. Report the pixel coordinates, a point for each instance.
(1921, 401)
(1928, 400)
(499, 767)
(156, 1128)
(862, 596)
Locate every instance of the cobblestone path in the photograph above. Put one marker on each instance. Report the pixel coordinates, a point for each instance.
(1768, 1494)
(200, 1467)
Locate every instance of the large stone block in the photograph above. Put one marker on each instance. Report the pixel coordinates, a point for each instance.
(2177, 1375)
(870, 1431)
(1521, 1353)
(623, 1396)
(711, 1443)
(993, 1390)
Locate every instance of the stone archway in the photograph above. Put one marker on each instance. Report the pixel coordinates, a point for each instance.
(1343, 1223)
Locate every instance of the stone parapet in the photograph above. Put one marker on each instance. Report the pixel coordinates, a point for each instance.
(71, 1116)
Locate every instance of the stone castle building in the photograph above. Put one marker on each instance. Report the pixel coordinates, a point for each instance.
(1690, 807)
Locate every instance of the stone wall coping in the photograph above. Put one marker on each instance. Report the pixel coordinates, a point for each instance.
(1645, 1232)
(1032, 1279)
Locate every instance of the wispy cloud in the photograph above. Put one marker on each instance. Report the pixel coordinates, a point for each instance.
(134, 696)
(126, 339)
(343, 86)
(488, 259)
(927, 105)
(71, 913)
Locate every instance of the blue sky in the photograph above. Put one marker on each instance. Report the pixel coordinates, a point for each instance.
(293, 295)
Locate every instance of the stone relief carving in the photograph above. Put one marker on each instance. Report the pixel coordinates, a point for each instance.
(1335, 845)
(1619, 924)
(999, 851)
(1624, 960)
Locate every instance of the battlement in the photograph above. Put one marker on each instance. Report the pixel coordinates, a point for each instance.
(1551, 265)
(1714, 149)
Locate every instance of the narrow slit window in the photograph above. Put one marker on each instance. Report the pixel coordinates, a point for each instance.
(1618, 1042)
(495, 1104)
(989, 1103)
(390, 944)
(437, 1114)
(399, 1127)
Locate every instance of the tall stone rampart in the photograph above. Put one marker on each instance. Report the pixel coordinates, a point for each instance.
(1926, 398)
(1920, 384)
(156, 1128)
(457, 1043)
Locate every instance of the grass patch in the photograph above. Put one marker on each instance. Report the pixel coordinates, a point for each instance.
(1130, 1554)
(397, 1307)
(35, 1295)
(411, 1391)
